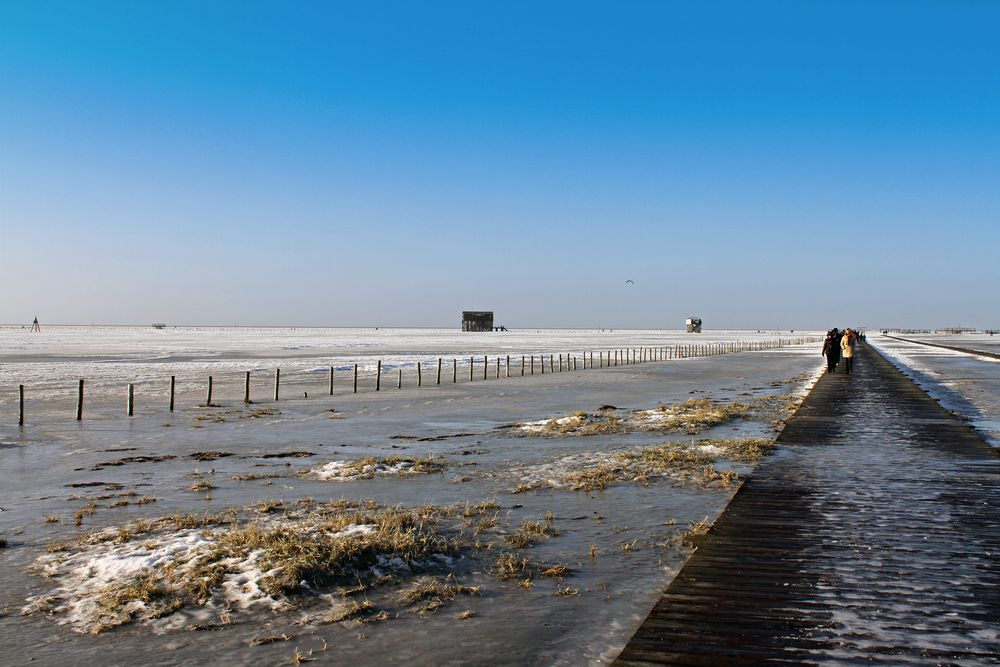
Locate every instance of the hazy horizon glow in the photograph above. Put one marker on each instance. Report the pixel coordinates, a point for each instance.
(762, 165)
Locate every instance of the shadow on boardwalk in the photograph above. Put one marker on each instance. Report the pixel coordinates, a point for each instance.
(872, 535)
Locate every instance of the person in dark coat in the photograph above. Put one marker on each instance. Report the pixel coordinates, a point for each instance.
(831, 350)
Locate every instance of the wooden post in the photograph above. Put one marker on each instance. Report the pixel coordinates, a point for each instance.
(208, 399)
(486, 365)
(79, 401)
(532, 364)
(331, 380)
(472, 367)
(552, 363)
(439, 371)
(498, 368)
(130, 405)
(246, 385)
(420, 379)
(399, 385)
(173, 383)
(541, 360)
(454, 371)
(507, 367)
(378, 376)
(20, 405)
(522, 365)
(277, 382)
(560, 362)
(355, 378)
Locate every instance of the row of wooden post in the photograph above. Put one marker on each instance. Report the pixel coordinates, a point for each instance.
(622, 357)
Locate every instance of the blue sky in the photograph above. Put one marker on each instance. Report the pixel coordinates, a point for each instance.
(766, 164)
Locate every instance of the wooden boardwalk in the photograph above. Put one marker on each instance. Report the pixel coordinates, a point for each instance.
(871, 535)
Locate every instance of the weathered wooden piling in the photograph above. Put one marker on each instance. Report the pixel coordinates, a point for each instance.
(420, 379)
(378, 375)
(208, 398)
(246, 385)
(399, 384)
(507, 367)
(331, 380)
(277, 382)
(173, 385)
(486, 365)
(130, 403)
(439, 371)
(79, 401)
(20, 405)
(454, 371)
(355, 378)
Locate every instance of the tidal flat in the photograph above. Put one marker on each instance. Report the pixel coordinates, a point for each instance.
(529, 520)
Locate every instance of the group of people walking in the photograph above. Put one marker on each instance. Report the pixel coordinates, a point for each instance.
(840, 345)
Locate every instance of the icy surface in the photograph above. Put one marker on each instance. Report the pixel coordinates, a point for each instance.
(55, 467)
(966, 384)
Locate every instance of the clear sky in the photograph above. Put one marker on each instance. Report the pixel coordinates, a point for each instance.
(760, 164)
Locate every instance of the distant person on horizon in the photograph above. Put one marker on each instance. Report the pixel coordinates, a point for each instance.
(35, 327)
(847, 348)
(831, 350)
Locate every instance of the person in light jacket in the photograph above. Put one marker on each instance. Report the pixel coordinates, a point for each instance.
(847, 349)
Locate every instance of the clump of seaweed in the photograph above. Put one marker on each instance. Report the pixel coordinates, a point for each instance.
(531, 531)
(211, 455)
(257, 475)
(201, 485)
(691, 416)
(430, 593)
(509, 566)
(257, 413)
(695, 533)
(257, 557)
(215, 417)
(694, 462)
(369, 467)
(739, 450)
